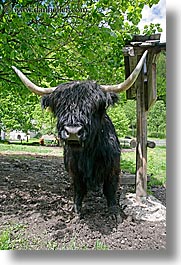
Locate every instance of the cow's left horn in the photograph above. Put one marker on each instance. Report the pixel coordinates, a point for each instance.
(31, 86)
(129, 81)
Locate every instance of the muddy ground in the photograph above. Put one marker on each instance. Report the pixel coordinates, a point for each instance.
(36, 206)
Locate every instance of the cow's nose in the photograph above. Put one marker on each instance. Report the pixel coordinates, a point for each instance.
(72, 133)
(73, 130)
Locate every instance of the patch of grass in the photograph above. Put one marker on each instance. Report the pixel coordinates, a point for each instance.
(10, 148)
(73, 245)
(52, 245)
(5, 241)
(11, 236)
(156, 164)
(100, 246)
(128, 162)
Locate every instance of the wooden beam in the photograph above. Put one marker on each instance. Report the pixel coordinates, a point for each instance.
(144, 91)
(151, 144)
(132, 143)
(128, 142)
(128, 179)
(151, 80)
(141, 148)
(132, 62)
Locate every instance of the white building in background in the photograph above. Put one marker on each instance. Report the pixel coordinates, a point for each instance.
(18, 135)
(3, 135)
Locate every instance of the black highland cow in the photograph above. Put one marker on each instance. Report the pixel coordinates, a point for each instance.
(91, 149)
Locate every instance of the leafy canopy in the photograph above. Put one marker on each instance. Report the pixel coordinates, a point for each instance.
(57, 41)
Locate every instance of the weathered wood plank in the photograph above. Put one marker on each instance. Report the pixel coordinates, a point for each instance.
(151, 144)
(141, 148)
(128, 142)
(129, 179)
(143, 38)
(131, 93)
(132, 143)
(151, 81)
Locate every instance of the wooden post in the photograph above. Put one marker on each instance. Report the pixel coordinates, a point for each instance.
(144, 91)
(141, 148)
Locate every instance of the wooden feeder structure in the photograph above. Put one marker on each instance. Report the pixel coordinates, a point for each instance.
(144, 91)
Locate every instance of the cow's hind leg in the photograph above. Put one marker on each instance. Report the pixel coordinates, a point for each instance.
(110, 190)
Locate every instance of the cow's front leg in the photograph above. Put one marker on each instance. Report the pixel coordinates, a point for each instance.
(79, 192)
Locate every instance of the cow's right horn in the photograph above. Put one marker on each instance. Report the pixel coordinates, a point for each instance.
(129, 81)
(31, 86)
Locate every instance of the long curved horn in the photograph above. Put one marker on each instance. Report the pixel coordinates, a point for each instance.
(107, 88)
(129, 81)
(31, 86)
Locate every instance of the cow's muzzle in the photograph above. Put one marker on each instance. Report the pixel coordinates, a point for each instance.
(72, 134)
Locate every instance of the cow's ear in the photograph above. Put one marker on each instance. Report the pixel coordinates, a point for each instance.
(45, 102)
(111, 99)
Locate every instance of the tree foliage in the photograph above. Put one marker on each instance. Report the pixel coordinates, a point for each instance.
(57, 41)
(157, 120)
(119, 120)
(130, 112)
(161, 76)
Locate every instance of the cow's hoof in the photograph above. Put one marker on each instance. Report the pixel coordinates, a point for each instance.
(77, 209)
(117, 218)
(115, 214)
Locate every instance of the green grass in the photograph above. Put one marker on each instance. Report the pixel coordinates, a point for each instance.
(10, 148)
(11, 236)
(5, 241)
(73, 245)
(156, 164)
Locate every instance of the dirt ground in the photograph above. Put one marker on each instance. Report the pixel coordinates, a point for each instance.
(36, 198)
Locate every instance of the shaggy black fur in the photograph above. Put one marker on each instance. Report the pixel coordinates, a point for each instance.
(95, 158)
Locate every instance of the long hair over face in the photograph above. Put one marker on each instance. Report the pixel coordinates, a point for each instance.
(79, 103)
